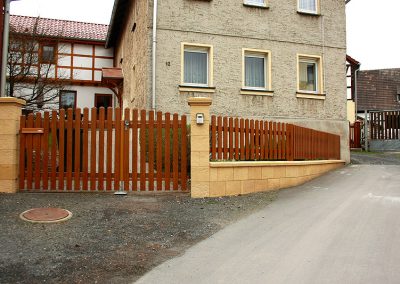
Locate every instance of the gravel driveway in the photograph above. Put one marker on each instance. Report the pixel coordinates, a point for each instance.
(109, 239)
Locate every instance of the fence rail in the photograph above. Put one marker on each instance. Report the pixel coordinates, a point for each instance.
(74, 153)
(385, 125)
(244, 139)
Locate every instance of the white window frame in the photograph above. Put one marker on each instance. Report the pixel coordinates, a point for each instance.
(299, 9)
(256, 3)
(201, 48)
(258, 53)
(319, 83)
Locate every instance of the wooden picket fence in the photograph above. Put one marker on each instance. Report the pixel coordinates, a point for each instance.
(385, 125)
(355, 135)
(67, 151)
(255, 140)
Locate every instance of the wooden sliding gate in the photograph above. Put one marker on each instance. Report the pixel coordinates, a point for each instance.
(103, 150)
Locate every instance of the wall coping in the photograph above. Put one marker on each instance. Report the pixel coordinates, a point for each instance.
(272, 163)
(199, 101)
(12, 100)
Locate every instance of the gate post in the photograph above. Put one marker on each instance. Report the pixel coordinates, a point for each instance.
(200, 147)
(10, 113)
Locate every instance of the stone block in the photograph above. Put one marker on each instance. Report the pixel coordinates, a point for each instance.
(200, 189)
(8, 142)
(9, 126)
(274, 183)
(8, 186)
(293, 171)
(247, 186)
(200, 174)
(279, 171)
(213, 174)
(8, 172)
(9, 112)
(233, 187)
(200, 143)
(241, 173)
(8, 157)
(217, 188)
(288, 182)
(225, 174)
(261, 185)
(267, 172)
(255, 173)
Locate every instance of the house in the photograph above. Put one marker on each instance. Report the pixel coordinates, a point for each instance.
(378, 90)
(352, 68)
(263, 59)
(67, 57)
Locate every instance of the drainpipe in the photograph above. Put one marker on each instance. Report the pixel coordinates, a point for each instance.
(4, 58)
(153, 87)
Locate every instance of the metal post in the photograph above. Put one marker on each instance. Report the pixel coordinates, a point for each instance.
(4, 57)
(366, 130)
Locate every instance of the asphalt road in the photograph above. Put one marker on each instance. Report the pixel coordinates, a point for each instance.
(341, 228)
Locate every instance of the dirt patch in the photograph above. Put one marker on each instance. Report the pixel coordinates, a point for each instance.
(109, 239)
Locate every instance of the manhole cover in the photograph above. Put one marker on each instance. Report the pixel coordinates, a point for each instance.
(45, 215)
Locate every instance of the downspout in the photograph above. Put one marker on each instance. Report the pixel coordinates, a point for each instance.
(4, 58)
(153, 87)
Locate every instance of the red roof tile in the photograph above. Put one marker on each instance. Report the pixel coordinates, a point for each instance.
(59, 28)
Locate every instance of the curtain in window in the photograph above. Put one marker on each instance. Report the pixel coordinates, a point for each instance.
(254, 72)
(195, 67)
(308, 5)
(308, 76)
(255, 2)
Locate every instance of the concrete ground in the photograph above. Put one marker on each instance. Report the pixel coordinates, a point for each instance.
(341, 228)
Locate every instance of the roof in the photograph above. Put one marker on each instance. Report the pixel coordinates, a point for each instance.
(120, 8)
(58, 28)
(352, 60)
(378, 89)
(112, 73)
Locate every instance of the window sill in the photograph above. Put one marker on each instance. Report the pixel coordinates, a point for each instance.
(317, 14)
(314, 96)
(268, 93)
(197, 89)
(256, 6)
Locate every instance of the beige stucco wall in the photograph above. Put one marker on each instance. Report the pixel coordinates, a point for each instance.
(229, 27)
(351, 111)
(134, 50)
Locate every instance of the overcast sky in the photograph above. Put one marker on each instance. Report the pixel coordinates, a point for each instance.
(372, 26)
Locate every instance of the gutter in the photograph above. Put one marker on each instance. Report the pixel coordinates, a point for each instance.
(154, 49)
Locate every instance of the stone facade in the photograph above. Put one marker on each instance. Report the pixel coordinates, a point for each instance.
(133, 54)
(229, 26)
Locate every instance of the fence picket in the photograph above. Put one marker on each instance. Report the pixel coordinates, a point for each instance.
(85, 149)
(151, 150)
(109, 126)
(167, 154)
(135, 157)
(159, 158)
(101, 143)
(183, 154)
(175, 151)
(45, 150)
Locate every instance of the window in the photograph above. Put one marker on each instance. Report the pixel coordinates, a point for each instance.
(310, 74)
(48, 54)
(67, 99)
(260, 3)
(256, 70)
(196, 65)
(102, 100)
(308, 6)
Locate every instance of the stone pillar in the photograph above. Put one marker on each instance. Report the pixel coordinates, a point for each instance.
(10, 112)
(200, 147)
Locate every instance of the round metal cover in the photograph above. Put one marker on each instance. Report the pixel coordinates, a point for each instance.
(45, 215)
